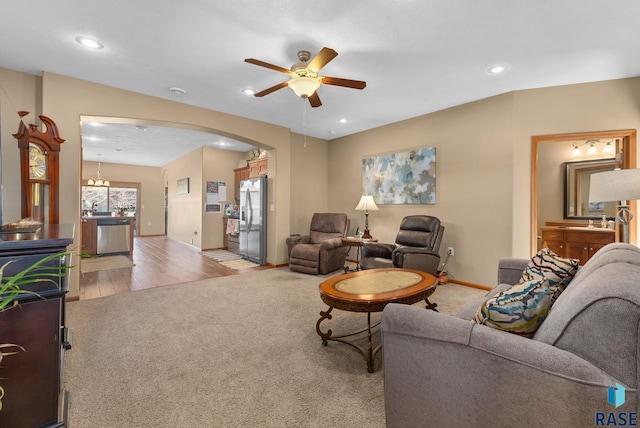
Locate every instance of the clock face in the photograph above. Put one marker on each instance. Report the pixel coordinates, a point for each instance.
(37, 163)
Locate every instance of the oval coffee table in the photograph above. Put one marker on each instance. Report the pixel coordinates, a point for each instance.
(370, 291)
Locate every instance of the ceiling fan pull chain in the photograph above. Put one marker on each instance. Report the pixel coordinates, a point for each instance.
(304, 120)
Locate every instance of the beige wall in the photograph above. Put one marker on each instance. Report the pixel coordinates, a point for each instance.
(483, 158)
(217, 166)
(551, 157)
(473, 188)
(310, 188)
(587, 107)
(18, 91)
(483, 165)
(184, 221)
(187, 220)
(66, 99)
(150, 214)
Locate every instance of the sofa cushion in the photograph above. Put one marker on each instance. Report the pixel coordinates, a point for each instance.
(519, 309)
(558, 270)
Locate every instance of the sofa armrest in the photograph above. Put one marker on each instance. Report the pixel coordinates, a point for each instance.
(510, 270)
(441, 370)
(420, 258)
(294, 240)
(375, 249)
(328, 244)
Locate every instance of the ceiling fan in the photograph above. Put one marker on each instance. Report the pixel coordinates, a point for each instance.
(304, 76)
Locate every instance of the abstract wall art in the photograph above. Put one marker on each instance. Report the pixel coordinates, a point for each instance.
(401, 178)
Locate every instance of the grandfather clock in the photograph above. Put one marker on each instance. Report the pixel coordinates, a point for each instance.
(39, 170)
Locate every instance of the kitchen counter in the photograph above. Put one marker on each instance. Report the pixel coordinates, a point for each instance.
(96, 241)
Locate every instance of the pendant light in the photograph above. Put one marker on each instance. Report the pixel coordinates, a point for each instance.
(98, 181)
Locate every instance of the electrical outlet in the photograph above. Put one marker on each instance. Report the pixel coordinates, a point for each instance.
(451, 251)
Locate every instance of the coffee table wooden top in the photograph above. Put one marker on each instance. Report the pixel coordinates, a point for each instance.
(372, 289)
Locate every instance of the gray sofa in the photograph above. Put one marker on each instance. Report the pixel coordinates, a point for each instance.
(448, 371)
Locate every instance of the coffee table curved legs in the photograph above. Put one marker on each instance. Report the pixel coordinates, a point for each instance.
(369, 353)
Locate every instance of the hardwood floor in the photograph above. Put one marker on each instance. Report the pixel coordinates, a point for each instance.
(157, 261)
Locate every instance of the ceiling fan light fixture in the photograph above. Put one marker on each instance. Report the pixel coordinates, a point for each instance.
(177, 91)
(90, 43)
(304, 87)
(497, 69)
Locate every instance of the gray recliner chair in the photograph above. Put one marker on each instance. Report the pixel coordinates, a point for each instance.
(416, 246)
(322, 250)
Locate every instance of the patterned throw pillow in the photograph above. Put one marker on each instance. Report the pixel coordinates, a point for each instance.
(519, 310)
(558, 270)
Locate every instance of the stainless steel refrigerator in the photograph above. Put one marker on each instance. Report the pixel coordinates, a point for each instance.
(253, 220)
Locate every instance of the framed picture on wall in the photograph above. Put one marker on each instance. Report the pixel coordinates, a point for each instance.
(182, 187)
(401, 178)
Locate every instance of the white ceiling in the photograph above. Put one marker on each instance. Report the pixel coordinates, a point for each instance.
(417, 56)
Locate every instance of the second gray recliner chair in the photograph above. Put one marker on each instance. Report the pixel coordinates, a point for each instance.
(416, 246)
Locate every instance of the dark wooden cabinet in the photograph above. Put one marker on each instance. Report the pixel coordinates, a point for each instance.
(32, 379)
(576, 242)
(89, 236)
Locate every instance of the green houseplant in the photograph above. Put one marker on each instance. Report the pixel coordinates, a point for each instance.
(12, 289)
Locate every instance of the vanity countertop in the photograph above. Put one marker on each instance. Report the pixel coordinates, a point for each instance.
(580, 228)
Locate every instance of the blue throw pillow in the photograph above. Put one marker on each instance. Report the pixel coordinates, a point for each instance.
(558, 270)
(519, 310)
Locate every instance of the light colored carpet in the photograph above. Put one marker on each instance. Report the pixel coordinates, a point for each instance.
(237, 351)
(229, 259)
(105, 263)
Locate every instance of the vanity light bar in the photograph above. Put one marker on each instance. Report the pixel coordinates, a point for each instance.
(592, 150)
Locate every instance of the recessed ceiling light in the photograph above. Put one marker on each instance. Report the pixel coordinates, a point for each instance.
(222, 143)
(88, 42)
(177, 91)
(141, 127)
(497, 69)
(343, 120)
(248, 91)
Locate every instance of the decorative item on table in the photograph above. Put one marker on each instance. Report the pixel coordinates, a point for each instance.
(366, 203)
(618, 185)
(603, 222)
(26, 225)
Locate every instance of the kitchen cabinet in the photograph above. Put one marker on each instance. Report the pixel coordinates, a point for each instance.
(89, 236)
(239, 174)
(576, 242)
(92, 240)
(258, 168)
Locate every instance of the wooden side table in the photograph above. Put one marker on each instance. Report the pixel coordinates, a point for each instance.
(355, 242)
(370, 291)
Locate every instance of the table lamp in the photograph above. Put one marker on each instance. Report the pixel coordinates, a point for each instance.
(618, 185)
(366, 204)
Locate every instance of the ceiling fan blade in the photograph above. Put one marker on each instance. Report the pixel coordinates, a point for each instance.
(271, 89)
(347, 83)
(314, 100)
(267, 65)
(321, 59)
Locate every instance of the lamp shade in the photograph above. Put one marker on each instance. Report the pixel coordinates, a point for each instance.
(366, 204)
(616, 185)
(304, 86)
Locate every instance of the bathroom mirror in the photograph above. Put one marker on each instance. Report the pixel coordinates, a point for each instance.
(577, 177)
